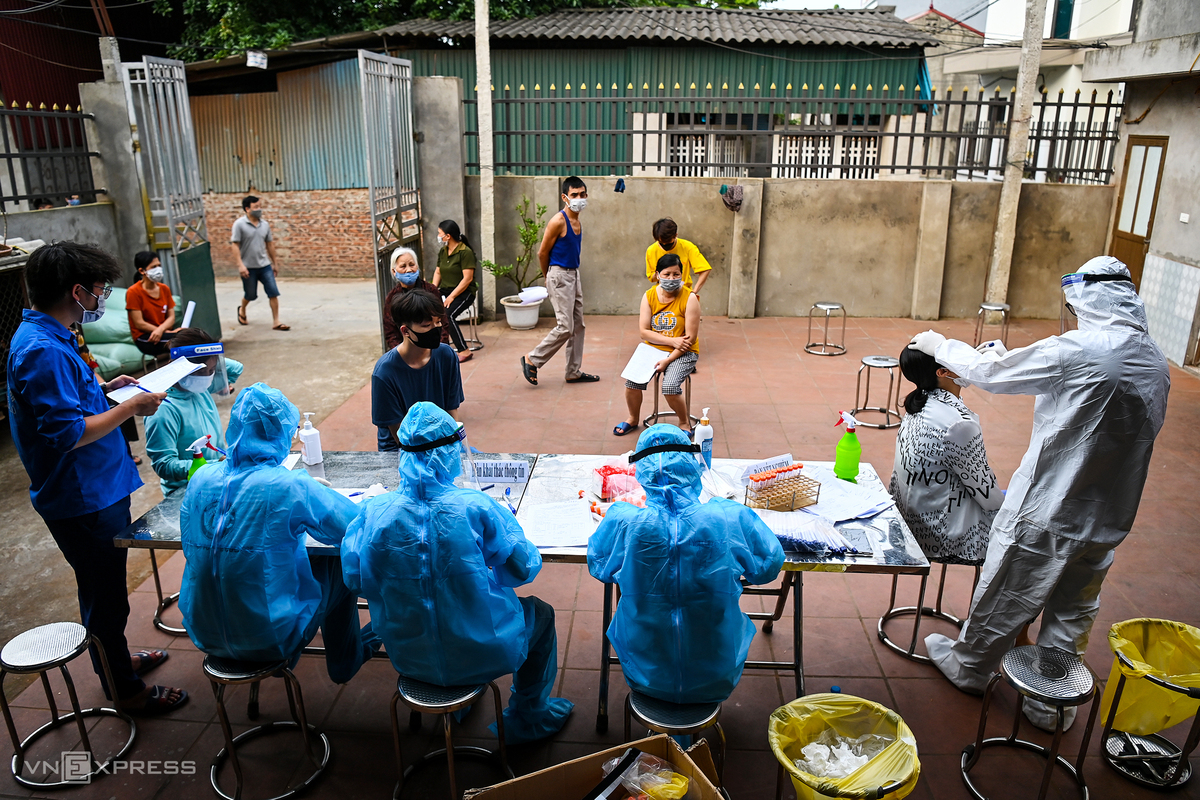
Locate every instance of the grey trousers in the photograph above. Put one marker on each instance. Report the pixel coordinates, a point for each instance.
(566, 295)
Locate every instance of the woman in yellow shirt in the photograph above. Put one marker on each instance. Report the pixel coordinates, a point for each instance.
(669, 320)
(666, 240)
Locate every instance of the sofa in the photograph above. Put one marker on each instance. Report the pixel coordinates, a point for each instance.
(110, 341)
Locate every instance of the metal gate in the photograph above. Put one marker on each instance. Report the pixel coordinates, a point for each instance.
(392, 185)
(164, 144)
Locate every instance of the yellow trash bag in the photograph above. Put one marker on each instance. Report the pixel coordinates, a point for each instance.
(801, 721)
(1158, 647)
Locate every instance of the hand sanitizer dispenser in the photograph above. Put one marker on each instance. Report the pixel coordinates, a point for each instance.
(310, 441)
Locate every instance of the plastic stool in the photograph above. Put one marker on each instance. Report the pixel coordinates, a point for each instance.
(40, 650)
(1002, 309)
(1050, 676)
(827, 347)
(222, 672)
(889, 407)
(936, 612)
(675, 720)
(687, 401)
(429, 698)
(470, 315)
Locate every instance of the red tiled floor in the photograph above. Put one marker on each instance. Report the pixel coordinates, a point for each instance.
(764, 399)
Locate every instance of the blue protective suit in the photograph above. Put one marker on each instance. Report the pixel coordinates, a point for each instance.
(437, 564)
(678, 629)
(249, 591)
(185, 419)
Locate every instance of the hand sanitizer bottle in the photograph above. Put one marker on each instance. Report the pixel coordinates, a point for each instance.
(310, 441)
(704, 438)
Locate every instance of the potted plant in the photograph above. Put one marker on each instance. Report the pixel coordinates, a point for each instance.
(526, 272)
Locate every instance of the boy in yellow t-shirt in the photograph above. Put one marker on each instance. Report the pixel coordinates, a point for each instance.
(669, 320)
(666, 240)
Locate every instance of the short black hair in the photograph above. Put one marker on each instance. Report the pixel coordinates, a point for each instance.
(416, 306)
(53, 270)
(573, 182)
(144, 259)
(42, 202)
(248, 200)
(664, 229)
(190, 337)
(667, 260)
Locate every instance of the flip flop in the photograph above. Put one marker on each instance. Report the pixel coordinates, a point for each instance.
(157, 703)
(241, 315)
(150, 660)
(529, 371)
(282, 327)
(583, 377)
(624, 429)
(465, 355)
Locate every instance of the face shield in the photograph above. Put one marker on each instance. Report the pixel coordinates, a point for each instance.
(211, 377)
(465, 455)
(1074, 284)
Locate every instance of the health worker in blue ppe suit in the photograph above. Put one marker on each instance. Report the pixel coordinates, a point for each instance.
(678, 629)
(1101, 399)
(191, 414)
(250, 590)
(437, 564)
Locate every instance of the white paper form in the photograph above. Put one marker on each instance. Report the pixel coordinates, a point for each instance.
(841, 500)
(640, 368)
(566, 524)
(158, 381)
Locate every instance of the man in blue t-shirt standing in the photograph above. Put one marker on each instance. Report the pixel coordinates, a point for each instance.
(80, 471)
(559, 259)
(419, 368)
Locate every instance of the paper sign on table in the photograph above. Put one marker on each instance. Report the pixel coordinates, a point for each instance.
(640, 368)
(764, 465)
(502, 471)
(158, 381)
(566, 524)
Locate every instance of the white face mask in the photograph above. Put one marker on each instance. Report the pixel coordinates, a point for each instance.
(963, 382)
(196, 383)
(92, 316)
(155, 274)
(577, 204)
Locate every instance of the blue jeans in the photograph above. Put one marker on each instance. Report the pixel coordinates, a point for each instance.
(87, 543)
(265, 276)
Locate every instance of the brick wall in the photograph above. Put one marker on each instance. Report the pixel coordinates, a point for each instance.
(318, 234)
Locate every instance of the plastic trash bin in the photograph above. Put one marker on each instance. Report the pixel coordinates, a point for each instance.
(891, 774)
(1154, 684)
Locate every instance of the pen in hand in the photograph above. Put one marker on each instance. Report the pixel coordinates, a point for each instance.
(147, 391)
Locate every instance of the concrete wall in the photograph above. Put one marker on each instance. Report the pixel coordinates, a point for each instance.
(914, 248)
(1159, 19)
(93, 223)
(438, 124)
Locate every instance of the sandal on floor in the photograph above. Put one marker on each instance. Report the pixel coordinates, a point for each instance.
(529, 371)
(241, 315)
(583, 377)
(282, 327)
(157, 703)
(465, 355)
(624, 428)
(150, 660)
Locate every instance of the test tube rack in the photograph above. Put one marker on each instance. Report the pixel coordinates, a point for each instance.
(786, 494)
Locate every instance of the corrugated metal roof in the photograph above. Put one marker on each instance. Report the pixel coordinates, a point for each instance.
(872, 26)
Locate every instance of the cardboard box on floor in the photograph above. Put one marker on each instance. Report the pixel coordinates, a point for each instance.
(574, 779)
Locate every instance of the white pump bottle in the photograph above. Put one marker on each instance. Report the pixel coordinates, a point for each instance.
(310, 441)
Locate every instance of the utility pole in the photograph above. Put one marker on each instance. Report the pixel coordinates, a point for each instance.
(1018, 145)
(487, 167)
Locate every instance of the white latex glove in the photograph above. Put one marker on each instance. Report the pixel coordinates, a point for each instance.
(927, 342)
(995, 347)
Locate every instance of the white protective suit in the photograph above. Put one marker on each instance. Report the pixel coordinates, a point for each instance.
(1101, 399)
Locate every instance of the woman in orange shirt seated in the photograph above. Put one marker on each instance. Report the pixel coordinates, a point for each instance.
(150, 306)
(670, 321)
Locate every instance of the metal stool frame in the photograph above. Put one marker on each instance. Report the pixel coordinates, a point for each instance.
(890, 407)
(299, 721)
(469, 695)
(20, 746)
(1003, 309)
(971, 753)
(828, 348)
(687, 401)
(472, 314)
(903, 611)
(1139, 767)
(710, 720)
(163, 602)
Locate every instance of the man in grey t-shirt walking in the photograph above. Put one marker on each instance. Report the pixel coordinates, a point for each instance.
(254, 252)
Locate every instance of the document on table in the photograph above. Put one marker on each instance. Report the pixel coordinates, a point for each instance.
(841, 500)
(566, 524)
(640, 368)
(158, 381)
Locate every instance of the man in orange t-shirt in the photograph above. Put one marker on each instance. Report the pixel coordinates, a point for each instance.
(150, 306)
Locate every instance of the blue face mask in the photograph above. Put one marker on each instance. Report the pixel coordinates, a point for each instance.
(406, 278)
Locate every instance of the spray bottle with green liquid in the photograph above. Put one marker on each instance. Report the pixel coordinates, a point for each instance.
(849, 451)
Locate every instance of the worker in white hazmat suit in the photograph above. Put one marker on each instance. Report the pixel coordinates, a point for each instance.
(1101, 398)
